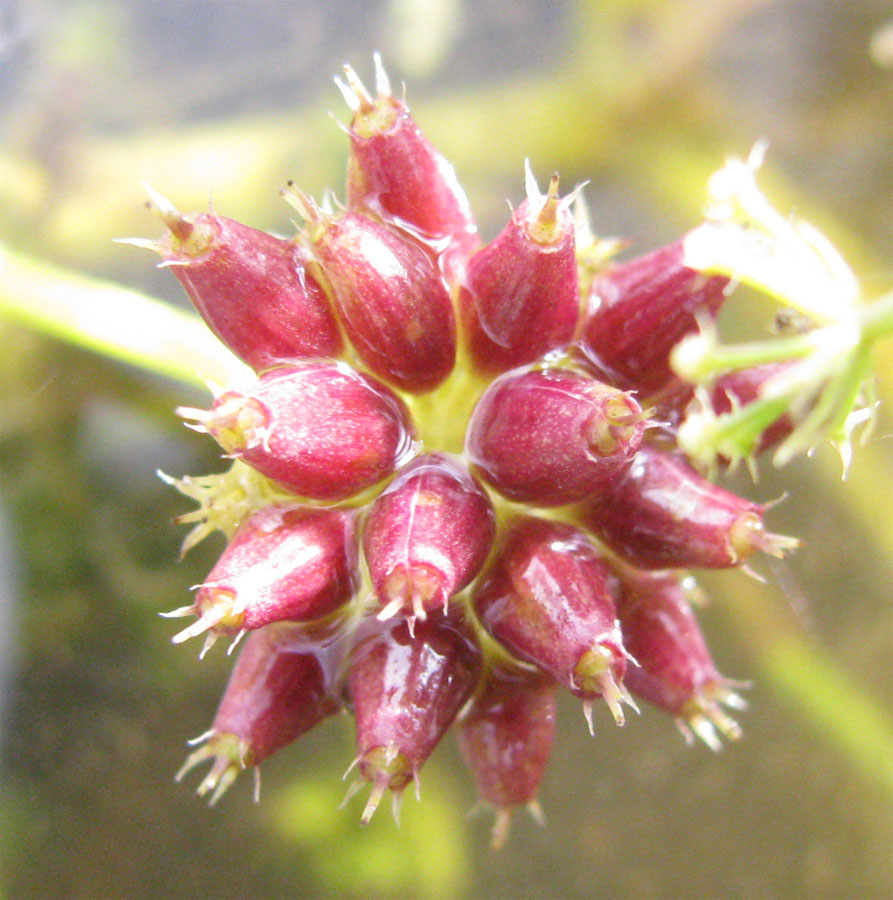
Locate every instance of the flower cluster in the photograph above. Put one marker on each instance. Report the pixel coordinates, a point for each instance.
(456, 486)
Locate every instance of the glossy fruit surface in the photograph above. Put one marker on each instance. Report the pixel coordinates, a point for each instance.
(427, 535)
(663, 515)
(320, 429)
(552, 436)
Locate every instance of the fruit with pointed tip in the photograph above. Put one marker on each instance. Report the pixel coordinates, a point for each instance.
(284, 563)
(521, 297)
(427, 535)
(321, 429)
(548, 599)
(389, 294)
(663, 515)
(396, 175)
(506, 739)
(675, 670)
(283, 684)
(252, 288)
(552, 436)
(406, 690)
(637, 311)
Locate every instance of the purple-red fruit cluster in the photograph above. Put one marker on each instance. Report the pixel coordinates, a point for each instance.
(415, 587)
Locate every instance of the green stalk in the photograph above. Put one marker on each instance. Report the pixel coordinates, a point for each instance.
(877, 319)
(728, 357)
(821, 692)
(837, 708)
(116, 321)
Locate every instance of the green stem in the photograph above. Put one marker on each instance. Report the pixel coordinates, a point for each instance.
(877, 319)
(724, 358)
(822, 692)
(113, 320)
(738, 432)
(841, 711)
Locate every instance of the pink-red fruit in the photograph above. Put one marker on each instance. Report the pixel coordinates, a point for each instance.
(390, 297)
(285, 562)
(406, 689)
(506, 739)
(252, 288)
(280, 688)
(676, 672)
(639, 310)
(663, 515)
(427, 536)
(521, 297)
(552, 436)
(547, 599)
(395, 174)
(320, 429)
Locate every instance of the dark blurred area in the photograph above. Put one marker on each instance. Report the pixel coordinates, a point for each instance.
(230, 99)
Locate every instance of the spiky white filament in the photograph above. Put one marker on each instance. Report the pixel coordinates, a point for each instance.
(161, 203)
(382, 82)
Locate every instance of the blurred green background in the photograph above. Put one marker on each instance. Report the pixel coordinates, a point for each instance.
(229, 99)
